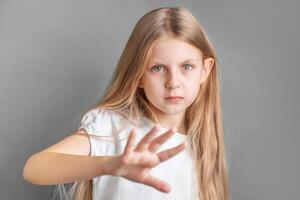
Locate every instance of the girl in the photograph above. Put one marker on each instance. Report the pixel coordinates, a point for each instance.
(128, 146)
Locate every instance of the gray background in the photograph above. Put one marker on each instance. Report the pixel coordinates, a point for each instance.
(56, 58)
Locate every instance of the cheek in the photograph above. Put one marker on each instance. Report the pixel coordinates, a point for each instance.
(192, 86)
(151, 82)
(148, 83)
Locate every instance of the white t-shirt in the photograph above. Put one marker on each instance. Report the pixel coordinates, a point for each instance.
(114, 129)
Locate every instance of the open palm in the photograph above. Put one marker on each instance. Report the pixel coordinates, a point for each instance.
(137, 161)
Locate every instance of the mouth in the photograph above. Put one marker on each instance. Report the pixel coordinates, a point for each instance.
(174, 99)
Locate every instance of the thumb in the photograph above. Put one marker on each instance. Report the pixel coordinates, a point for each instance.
(157, 184)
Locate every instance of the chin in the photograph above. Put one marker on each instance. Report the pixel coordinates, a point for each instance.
(173, 111)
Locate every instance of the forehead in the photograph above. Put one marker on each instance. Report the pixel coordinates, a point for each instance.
(174, 49)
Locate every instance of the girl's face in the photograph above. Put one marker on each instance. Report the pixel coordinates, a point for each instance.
(175, 69)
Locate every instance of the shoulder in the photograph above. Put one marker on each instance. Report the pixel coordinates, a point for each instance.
(103, 121)
(96, 114)
(96, 121)
(103, 115)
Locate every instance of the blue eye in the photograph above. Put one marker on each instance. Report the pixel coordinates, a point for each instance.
(155, 67)
(188, 65)
(158, 66)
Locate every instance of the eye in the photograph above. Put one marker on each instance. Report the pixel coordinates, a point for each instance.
(188, 65)
(155, 67)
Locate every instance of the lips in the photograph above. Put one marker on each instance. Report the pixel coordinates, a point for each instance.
(174, 97)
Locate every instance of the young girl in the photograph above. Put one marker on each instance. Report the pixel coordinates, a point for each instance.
(157, 133)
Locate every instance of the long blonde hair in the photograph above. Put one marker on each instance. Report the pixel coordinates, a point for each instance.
(204, 120)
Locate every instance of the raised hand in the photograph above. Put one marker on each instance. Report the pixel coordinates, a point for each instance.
(136, 161)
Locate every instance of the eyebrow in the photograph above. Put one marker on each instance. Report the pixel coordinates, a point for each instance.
(187, 60)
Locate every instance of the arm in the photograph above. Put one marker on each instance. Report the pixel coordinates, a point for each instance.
(66, 162)
(50, 168)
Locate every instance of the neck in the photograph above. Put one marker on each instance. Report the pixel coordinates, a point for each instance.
(167, 121)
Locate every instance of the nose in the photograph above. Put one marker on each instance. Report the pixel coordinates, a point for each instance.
(172, 80)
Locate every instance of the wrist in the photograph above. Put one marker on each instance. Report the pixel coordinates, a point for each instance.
(111, 165)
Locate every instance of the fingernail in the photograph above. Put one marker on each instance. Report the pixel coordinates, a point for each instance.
(157, 126)
(174, 129)
(166, 188)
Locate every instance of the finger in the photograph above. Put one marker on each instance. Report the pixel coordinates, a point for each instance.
(157, 184)
(143, 144)
(130, 142)
(157, 142)
(167, 154)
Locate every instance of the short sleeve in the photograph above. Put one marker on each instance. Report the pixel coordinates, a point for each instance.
(97, 124)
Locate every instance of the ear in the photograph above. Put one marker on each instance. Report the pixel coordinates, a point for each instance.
(140, 84)
(207, 66)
